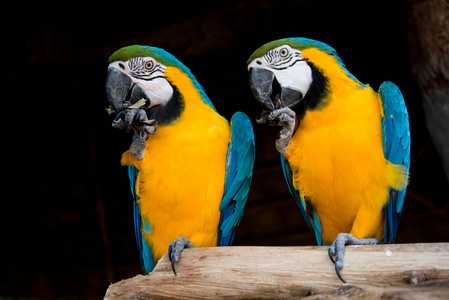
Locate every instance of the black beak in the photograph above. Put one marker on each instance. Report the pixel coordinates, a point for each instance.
(120, 90)
(269, 92)
(261, 82)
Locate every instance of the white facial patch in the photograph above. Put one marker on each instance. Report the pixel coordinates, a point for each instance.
(158, 90)
(288, 66)
(149, 75)
(297, 77)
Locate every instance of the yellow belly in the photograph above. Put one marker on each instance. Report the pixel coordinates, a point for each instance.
(338, 165)
(181, 179)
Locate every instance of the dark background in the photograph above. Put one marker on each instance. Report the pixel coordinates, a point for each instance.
(66, 214)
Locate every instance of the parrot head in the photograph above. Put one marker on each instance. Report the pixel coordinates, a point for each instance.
(285, 72)
(137, 78)
(135, 73)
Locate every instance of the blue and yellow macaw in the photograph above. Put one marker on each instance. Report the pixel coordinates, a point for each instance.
(345, 149)
(189, 169)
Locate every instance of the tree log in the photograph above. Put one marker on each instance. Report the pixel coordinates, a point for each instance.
(293, 272)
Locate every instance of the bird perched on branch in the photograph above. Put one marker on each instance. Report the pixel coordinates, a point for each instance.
(345, 148)
(189, 169)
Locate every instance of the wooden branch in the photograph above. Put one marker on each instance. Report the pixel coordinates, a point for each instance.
(287, 272)
(431, 290)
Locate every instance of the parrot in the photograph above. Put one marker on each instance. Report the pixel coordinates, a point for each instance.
(345, 148)
(189, 168)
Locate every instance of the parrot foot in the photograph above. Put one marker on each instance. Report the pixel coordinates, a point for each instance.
(125, 118)
(284, 117)
(137, 120)
(175, 248)
(137, 148)
(338, 249)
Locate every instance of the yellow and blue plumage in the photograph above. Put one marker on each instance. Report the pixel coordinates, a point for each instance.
(345, 148)
(191, 177)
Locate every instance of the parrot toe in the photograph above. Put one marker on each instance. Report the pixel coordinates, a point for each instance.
(150, 126)
(338, 249)
(331, 252)
(175, 248)
(118, 121)
(137, 148)
(338, 267)
(284, 117)
(262, 118)
(136, 119)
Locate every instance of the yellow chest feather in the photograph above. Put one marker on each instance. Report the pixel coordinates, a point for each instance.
(181, 177)
(337, 159)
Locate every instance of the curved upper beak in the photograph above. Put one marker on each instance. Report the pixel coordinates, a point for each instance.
(261, 82)
(120, 89)
(269, 92)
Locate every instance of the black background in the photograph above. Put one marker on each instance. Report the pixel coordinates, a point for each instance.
(66, 226)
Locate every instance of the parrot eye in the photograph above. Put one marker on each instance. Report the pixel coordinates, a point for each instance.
(149, 65)
(283, 52)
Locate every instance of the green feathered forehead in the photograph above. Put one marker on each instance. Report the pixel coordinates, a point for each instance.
(159, 54)
(296, 43)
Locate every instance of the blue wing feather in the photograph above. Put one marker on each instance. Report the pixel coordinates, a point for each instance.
(145, 252)
(396, 141)
(309, 214)
(239, 168)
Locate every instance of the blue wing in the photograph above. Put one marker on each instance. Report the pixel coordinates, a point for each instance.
(145, 253)
(309, 214)
(396, 145)
(239, 170)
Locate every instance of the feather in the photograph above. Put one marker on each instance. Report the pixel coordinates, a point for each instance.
(145, 253)
(396, 138)
(239, 167)
(309, 214)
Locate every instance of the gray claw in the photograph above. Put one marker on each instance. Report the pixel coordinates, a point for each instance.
(337, 270)
(118, 122)
(338, 249)
(129, 117)
(175, 248)
(172, 260)
(331, 254)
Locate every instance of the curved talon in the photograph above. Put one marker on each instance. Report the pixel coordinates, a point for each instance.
(172, 259)
(139, 117)
(331, 255)
(118, 121)
(175, 248)
(173, 267)
(120, 115)
(130, 117)
(337, 270)
(170, 250)
(338, 249)
(143, 133)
